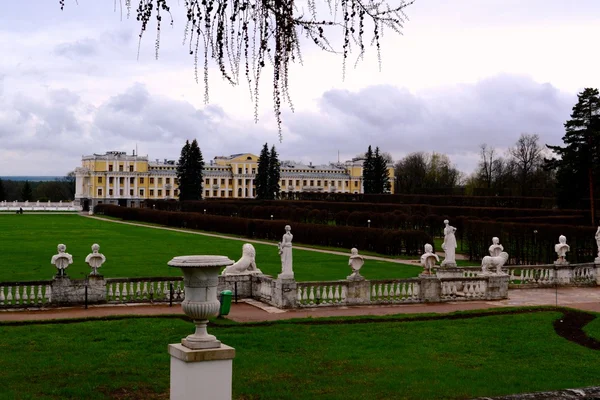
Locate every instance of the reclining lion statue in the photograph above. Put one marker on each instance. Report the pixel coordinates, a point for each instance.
(245, 265)
(490, 262)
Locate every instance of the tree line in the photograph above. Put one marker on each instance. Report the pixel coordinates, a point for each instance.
(56, 190)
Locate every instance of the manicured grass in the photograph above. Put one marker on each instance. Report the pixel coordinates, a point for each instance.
(440, 359)
(29, 242)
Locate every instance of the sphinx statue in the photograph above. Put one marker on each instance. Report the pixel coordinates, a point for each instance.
(245, 265)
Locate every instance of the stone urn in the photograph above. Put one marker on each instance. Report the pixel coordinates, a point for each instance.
(200, 280)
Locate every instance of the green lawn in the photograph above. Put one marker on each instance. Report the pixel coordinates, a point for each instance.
(29, 242)
(440, 359)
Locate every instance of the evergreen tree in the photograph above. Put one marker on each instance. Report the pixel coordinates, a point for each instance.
(368, 172)
(26, 192)
(577, 166)
(190, 172)
(381, 174)
(262, 174)
(274, 174)
(2, 192)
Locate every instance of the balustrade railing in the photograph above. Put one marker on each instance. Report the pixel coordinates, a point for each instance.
(141, 290)
(463, 289)
(313, 294)
(25, 294)
(264, 287)
(395, 291)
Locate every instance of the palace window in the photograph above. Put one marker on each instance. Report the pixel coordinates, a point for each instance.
(121, 180)
(99, 179)
(152, 181)
(303, 183)
(131, 180)
(99, 191)
(355, 183)
(142, 191)
(160, 181)
(111, 180)
(110, 192)
(167, 192)
(110, 167)
(131, 192)
(239, 170)
(159, 192)
(222, 181)
(142, 182)
(207, 193)
(168, 180)
(297, 182)
(318, 183)
(131, 168)
(151, 192)
(121, 168)
(120, 192)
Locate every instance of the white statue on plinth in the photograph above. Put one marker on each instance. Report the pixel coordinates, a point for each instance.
(245, 265)
(449, 245)
(496, 248)
(62, 260)
(490, 262)
(598, 244)
(95, 259)
(285, 251)
(428, 259)
(561, 250)
(355, 262)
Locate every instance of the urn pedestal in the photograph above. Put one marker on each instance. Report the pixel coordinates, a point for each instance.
(201, 366)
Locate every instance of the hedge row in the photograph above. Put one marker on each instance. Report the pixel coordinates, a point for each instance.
(309, 211)
(383, 241)
(529, 243)
(434, 199)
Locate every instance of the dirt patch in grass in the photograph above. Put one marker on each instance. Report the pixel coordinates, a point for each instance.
(138, 393)
(570, 327)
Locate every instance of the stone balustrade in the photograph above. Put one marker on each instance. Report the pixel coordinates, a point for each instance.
(314, 294)
(468, 288)
(395, 291)
(143, 290)
(39, 206)
(25, 294)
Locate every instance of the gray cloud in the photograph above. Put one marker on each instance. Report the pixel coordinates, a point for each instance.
(78, 49)
(454, 120)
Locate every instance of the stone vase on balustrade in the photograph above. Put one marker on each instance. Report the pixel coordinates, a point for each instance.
(201, 279)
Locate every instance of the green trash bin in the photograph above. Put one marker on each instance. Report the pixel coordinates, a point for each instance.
(225, 299)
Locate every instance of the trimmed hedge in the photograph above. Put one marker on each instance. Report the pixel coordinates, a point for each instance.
(525, 247)
(383, 241)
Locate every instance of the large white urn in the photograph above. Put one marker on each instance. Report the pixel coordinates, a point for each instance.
(200, 279)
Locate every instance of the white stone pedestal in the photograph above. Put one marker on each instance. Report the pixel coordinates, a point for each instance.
(201, 374)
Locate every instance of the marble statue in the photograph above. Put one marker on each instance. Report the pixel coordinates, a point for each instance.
(598, 241)
(355, 262)
(490, 262)
(62, 260)
(95, 259)
(561, 249)
(245, 265)
(285, 251)
(496, 248)
(428, 259)
(449, 245)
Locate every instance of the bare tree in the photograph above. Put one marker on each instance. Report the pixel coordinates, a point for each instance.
(528, 156)
(242, 36)
(486, 165)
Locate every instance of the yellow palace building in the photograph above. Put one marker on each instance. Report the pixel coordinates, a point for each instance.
(128, 179)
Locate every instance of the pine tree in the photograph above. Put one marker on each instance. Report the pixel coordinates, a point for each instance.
(26, 192)
(2, 192)
(381, 174)
(190, 172)
(274, 174)
(262, 174)
(578, 164)
(368, 176)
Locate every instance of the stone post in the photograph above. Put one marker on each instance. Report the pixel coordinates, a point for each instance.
(359, 292)
(431, 288)
(286, 293)
(201, 366)
(497, 287)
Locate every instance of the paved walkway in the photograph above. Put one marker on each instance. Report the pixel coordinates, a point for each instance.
(587, 299)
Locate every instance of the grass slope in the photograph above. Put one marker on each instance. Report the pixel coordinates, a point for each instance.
(440, 359)
(29, 242)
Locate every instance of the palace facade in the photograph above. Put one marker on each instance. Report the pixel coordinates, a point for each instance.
(119, 178)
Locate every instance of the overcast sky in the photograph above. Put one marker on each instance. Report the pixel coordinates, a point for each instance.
(464, 72)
